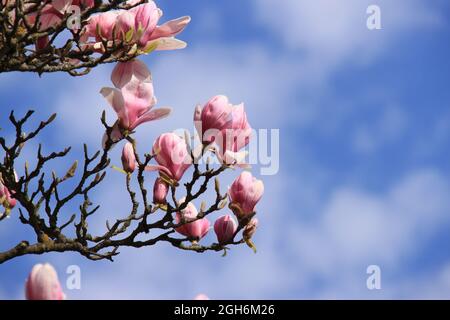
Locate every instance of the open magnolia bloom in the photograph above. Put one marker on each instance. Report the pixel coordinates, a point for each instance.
(133, 97)
(172, 156)
(224, 126)
(137, 26)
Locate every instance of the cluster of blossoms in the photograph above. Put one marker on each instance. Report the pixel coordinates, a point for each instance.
(136, 26)
(43, 284)
(222, 130)
(222, 127)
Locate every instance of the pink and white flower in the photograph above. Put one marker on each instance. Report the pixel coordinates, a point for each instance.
(224, 125)
(194, 230)
(43, 284)
(244, 193)
(172, 156)
(142, 23)
(225, 228)
(133, 98)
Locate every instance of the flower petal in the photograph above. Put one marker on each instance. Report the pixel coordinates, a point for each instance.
(169, 44)
(170, 28)
(116, 100)
(158, 168)
(155, 114)
(124, 71)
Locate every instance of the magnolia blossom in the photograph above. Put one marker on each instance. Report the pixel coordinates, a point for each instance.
(6, 199)
(138, 25)
(172, 156)
(225, 228)
(43, 284)
(244, 193)
(160, 191)
(128, 158)
(196, 229)
(133, 97)
(201, 296)
(6, 196)
(224, 124)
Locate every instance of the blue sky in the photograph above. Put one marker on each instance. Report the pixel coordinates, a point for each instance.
(364, 119)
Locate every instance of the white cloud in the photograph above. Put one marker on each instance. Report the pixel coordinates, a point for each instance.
(357, 228)
(331, 32)
(387, 129)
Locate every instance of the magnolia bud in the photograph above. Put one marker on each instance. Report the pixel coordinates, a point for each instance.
(225, 227)
(128, 158)
(43, 284)
(160, 191)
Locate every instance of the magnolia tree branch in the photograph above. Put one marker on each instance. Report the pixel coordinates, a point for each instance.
(42, 208)
(30, 44)
(41, 36)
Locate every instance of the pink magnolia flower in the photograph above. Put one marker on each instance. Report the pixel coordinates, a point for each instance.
(250, 229)
(196, 229)
(201, 296)
(225, 227)
(172, 156)
(50, 16)
(6, 199)
(160, 191)
(224, 124)
(147, 17)
(143, 20)
(43, 284)
(125, 23)
(244, 193)
(102, 25)
(128, 158)
(6, 196)
(133, 97)
(124, 72)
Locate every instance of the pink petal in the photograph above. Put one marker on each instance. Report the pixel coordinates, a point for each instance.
(61, 5)
(158, 168)
(169, 44)
(116, 100)
(170, 28)
(155, 114)
(124, 71)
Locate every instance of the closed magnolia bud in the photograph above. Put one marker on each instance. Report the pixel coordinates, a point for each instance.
(43, 284)
(160, 191)
(128, 158)
(245, 192)
(225, 227)
(201, 296)
(250, 229)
